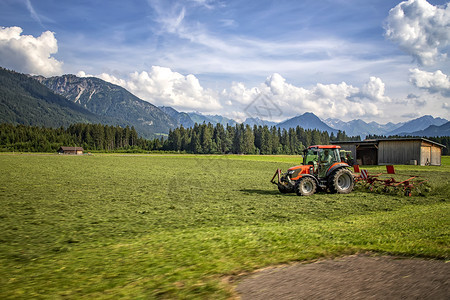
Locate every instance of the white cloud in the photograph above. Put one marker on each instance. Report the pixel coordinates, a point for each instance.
(436, 82)
(411, 115)
(331, 100)
(33, 13)
(28, 54)
(163, 87)
(420, 29)
(374, 90)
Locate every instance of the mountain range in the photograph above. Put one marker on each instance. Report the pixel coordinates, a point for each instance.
(199, 118)
(63, 100)
(359, 127)
(418, 124)
(433, 130)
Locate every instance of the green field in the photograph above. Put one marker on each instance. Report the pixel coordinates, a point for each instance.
(177, 226)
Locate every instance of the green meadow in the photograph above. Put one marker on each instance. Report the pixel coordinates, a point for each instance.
(185, 226)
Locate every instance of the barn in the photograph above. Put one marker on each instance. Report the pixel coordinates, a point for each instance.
(70, 150)
(401, 151)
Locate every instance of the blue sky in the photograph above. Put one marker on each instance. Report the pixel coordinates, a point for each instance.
(374, 60)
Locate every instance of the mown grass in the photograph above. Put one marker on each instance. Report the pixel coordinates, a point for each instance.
(162, 226)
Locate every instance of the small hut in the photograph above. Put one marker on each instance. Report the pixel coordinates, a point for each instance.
(71, 150)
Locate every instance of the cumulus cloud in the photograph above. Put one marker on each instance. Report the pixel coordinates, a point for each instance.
(28, 54)
(433, 82)
(325, 100)
(162, 86)
(420, 29)
(374, 90)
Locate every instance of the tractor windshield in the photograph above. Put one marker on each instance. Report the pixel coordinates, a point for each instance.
(309, 156)
(329, 155)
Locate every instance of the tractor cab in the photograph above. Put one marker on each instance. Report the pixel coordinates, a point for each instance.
(321, 158)
(322, 168)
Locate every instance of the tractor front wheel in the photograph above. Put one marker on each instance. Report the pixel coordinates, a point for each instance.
(284, 189)
(305, 186)
(341, 181)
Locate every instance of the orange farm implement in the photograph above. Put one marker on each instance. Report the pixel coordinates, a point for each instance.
(385, 182)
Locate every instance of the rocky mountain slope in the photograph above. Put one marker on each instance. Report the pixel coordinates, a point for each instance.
(24, 100)
(109, 100)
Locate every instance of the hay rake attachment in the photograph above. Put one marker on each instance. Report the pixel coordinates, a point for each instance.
(384, 182)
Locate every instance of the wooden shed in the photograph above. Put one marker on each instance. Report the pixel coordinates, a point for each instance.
(403, 151)
(71, 150)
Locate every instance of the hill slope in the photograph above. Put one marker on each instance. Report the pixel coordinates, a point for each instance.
(23, 100)
(110, 100)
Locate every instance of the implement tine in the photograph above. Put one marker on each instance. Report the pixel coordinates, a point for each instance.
(278, 172)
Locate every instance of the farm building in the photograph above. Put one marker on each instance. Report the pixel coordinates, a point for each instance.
(402, 151)
(71, 150)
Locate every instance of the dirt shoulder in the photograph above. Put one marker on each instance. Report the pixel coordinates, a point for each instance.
(351, 277)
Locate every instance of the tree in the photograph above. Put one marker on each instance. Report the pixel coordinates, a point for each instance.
(248, 146)
(266, 141)
(206, 137)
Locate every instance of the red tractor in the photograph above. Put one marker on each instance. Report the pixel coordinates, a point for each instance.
(322, 169)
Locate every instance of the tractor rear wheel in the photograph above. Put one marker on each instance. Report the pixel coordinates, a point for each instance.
(305, 186)
(341, 181)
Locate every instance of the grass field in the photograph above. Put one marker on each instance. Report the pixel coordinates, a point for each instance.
(175, 226)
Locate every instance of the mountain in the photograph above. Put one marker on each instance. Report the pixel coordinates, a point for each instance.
(181, 118)
(109, 100)
(213, 119)
(361, 128)
(384, 128)
(258, 122)
(417, 125)
(433, 130)
(307, 121)
(23, 100)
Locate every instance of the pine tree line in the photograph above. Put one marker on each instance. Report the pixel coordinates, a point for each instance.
(89, 136)
(244, 139)
(200, 139)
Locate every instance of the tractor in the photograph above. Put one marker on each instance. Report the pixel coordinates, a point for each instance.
(322, 169)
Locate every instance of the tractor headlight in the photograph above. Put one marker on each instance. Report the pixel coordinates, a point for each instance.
(290, 172)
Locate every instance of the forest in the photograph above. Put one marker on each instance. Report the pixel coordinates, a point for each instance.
(200, 139)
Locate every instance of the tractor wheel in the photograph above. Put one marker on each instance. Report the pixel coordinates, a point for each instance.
(306, 186)
(341, 181)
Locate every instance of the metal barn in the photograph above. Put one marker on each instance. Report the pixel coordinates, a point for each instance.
(402, 151)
